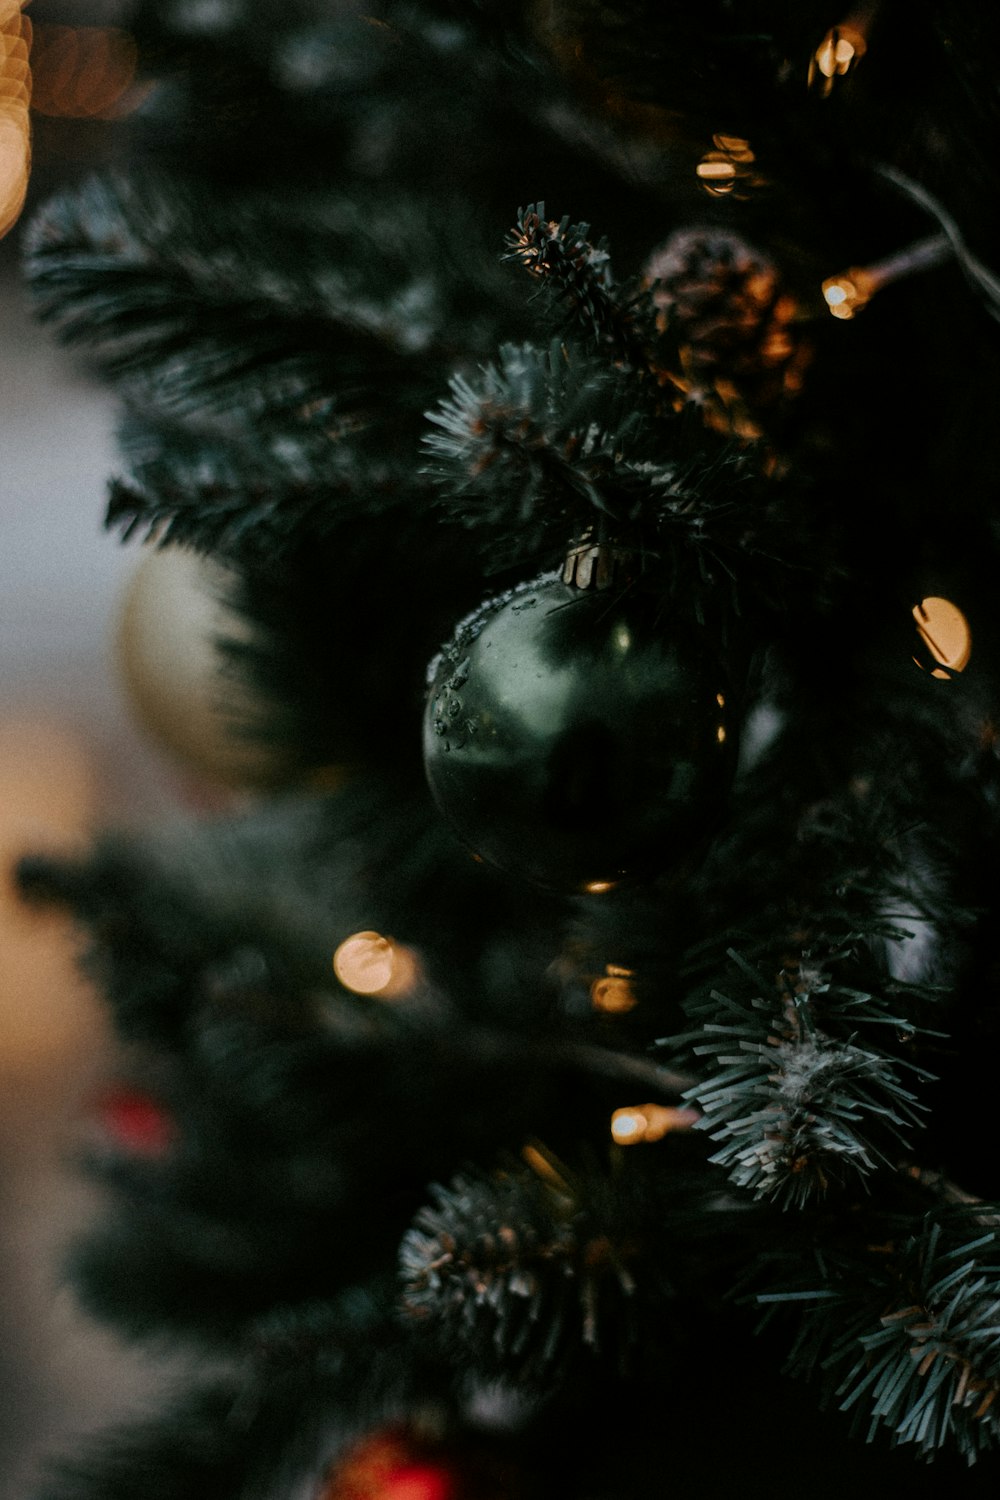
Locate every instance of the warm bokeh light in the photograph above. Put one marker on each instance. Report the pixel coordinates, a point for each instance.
(645, 1123)
(544, 1167)
(15, 98)
(613, 992)
(83, 72)
(945, 633)
(597, 887)
(47, 804)
(729, 167)
(847, 293)
(841, 49)
(369, 964)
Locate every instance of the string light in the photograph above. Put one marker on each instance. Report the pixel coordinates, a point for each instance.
(613, 992)
(646, 1123)
(728, 170)
(369, 964)
(850, 291)
(945, 633)
(544, 1167)
(838, 53)
(15, 98)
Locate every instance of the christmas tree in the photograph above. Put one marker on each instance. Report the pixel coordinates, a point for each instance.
(571, 1073)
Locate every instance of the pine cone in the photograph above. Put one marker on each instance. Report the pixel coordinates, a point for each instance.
(737, 326)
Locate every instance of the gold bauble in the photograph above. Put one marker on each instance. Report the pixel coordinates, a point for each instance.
(183, 688)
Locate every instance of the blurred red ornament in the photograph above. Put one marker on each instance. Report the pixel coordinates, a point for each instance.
(418, 1482)
(391, 1465)
(136, 1122)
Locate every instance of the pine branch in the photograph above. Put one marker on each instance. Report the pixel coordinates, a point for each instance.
(909, 1334)
(526, 436)
(281, 1182)
(547, 443)
(800, 1091)
(246, 310)
(515, 1268)
(254, 496)
(530, 1269)
(617, 321)
(190, 1449)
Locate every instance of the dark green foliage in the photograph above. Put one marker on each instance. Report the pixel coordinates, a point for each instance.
(252, 91)
(193, 1449)
(907, 1337)
(283, 1086)
(538, 1271)
(307, 251)
(275, 306)
(313, 332)
(617, 320)
(254, 498)
(512, 1268)
(548, 444)
(801, 1090)
(277, 1420)
(332, 684)
(526, 437)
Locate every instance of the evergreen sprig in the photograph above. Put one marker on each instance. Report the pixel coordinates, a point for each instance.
(909, 1333)
(549, 441)
(244, 310)
(619, 320)
(519, 1269)
(541, 430)
(800, 1091)
(251, 496)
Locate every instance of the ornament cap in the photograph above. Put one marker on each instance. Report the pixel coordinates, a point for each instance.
(598, 563)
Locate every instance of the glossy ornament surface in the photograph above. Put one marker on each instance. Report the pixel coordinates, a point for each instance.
(577, 737)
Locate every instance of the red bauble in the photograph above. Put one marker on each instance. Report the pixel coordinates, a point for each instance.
(392, 1465)
(135, 1122)
(418, 1482)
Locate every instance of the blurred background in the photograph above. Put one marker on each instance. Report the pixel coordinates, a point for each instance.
(71, 756)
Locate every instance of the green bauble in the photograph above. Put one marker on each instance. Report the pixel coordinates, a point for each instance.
(578, 738)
